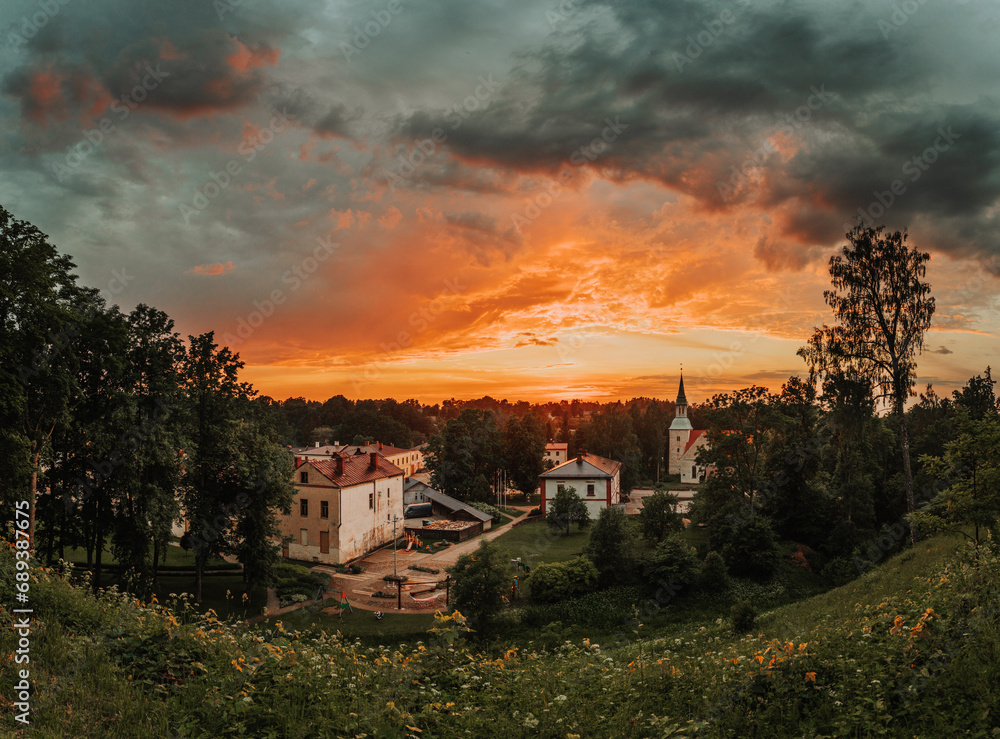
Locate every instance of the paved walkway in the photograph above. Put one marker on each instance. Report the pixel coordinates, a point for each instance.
(360, 589)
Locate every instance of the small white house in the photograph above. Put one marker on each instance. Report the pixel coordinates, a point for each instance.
(556, 453)
(595, 479)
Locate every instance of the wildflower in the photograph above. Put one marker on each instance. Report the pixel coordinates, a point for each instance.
(811, 676)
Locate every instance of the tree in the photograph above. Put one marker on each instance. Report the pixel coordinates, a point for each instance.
(883, 307)
(216, 469)
(524, 451)
(612, 545)
(742, 425)
(481, 579)
(565, 508)
(978, 396)
(610, 434)
(37, 322)
(659, 515)
(269, 490)
(673, 562)
(464, 457)
(971, 469)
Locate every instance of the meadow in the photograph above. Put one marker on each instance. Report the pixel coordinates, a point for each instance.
(908, 649)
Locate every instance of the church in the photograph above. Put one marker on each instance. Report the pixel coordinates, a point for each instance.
(684, 442)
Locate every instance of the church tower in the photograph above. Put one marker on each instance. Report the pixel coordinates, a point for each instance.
(679, 433)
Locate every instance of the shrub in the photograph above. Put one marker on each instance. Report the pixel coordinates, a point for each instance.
(839, 571)
(535, 512)
(395, 578)
(556, 581)
(486, 508)
(298, 580)
(748, 545)
(673, 562)
(355, 569)
(742, 616)
(714, 575)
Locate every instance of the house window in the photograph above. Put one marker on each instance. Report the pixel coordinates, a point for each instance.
(324, 509)
(559, 488)
(304, 478)
(303, 507)
(304, 537)
(694, 471)
(371, 501)
(590, 490)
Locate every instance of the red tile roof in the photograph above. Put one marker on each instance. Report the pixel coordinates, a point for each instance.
(695, 435)
(357, 470)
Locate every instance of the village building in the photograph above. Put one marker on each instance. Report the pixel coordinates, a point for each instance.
(556, 453)
(595, 479)
(343, 509)
(684, 442)
(410, 461)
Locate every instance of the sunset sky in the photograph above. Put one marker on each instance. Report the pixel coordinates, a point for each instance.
(529, 199)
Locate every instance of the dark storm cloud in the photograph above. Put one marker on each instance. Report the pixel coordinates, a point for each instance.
(808, 109)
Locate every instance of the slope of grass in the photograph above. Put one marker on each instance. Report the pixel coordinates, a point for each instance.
(909, 649)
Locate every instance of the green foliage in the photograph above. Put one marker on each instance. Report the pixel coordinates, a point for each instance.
(742, 617)
(610, 433)
(493, 511)
(464, 457)
(839, 571)
(480, 581)
(612, 546)
(907, 649)
(714, 574)
(659, 516)
(557, 581)
(748, 545)
(970, 468)
(296, 583)
(565, 508)
(524, 451)
(673, 562)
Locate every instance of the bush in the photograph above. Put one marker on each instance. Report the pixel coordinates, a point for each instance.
(839, 571)
(486, 508)
(605, 609)
(556, 581)
(673, 562)
(535, 512)
(742, 617)
(748, 545)
(714, 575)
(355, 569)
(295, 580)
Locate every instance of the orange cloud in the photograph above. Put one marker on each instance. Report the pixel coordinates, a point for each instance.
(211, 269)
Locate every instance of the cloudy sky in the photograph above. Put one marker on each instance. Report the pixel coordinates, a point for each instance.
(532, 199)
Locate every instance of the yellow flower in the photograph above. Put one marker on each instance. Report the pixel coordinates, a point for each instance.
(811, 676)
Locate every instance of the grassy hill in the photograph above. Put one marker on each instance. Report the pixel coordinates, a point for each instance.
(909, 649)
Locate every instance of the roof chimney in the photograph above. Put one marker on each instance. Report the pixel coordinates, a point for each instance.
(374, 463)
(317, 445)
(579, 457)
(340, 465)
(380, 446)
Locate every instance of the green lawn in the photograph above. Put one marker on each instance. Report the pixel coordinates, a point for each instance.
(393, 626)
(174, 556)
(535, 542)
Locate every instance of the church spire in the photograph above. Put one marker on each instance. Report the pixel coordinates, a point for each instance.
(681, 399)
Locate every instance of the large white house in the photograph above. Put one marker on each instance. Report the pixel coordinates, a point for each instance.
(684, 442)
(595, 479)
(343, 508)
